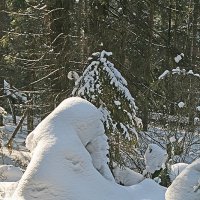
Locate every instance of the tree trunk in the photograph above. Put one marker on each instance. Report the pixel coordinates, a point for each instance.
(147, 71)
(195, 47)
(3, 26)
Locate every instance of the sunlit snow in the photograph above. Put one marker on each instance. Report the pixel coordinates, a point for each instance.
(69, 161)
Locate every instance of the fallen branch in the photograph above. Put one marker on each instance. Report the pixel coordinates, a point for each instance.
(9, 145)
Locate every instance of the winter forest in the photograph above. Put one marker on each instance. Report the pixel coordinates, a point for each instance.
(100, 99)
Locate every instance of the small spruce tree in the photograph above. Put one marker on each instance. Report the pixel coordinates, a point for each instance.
(103, 85)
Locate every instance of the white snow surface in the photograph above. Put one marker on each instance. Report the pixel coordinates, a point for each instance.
(176, 169)
(69, 161)
(187, 184)
(7, 189)
(178, 71)
(164, 74)
(126, 176)
(196, 120)
(178, 58)
(181, 104)
(14, 92)
(147, 190)
(190, 72)
(172, 139)
(10, 173)
(72, 75)
(117, 103)
(155, 158)
(2, 111)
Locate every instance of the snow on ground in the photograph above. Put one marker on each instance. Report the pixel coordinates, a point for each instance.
(162, 137)
(187, 185)
(20, 156)
(126, 176)
(7, 189)
(10, 173)
(148, 190)
(63, 168)
(17, 157)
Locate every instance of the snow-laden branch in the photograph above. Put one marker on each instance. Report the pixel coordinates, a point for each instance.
(178, 71)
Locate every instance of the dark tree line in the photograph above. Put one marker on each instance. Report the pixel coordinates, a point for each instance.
(41, 41)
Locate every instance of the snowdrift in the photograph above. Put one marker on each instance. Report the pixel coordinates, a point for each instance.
(187, 184)
(69, 160)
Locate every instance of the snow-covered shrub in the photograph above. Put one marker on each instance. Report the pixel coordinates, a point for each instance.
(174, 124)
(103, 85)
(177, 117)
(155, 160)
(176, 169)
(187, 184)
(61, 166)
(126, 176)
(14, 93)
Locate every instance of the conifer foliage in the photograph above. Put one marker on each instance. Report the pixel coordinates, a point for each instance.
(103, 85)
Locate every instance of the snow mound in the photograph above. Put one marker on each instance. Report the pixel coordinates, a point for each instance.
(61, 164)
(155, 158)
(126, 176)
(64, 148)
(176, 169)
(148, 190)
(187, 184)
(10, 173)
